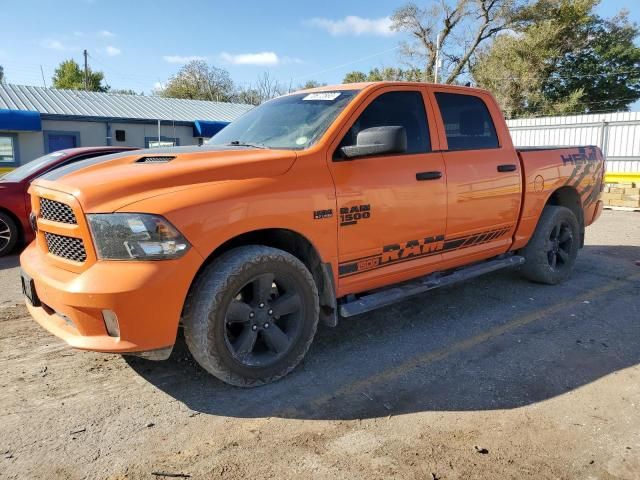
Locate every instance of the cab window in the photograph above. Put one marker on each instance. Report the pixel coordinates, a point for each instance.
(404, 109)
(467, 122)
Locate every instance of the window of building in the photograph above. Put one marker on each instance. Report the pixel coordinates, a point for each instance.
(8, 150)
(467, 122)
(404, 109)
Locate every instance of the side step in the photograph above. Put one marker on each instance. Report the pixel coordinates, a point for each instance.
(390, 295)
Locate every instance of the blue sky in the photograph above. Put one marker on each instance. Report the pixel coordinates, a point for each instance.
(139, 43)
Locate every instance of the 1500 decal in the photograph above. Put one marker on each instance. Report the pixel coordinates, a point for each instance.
(352, 215)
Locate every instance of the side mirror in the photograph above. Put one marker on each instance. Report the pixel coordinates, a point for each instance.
(377, 141)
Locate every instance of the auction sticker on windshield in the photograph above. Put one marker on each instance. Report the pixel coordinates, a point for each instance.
(324, 96)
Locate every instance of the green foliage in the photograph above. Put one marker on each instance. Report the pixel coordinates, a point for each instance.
(125, 91)
(355, 77)
(1, 74)
(310, 84)
(385, 74)
(562, 59)
(70, 76)
(198, 81)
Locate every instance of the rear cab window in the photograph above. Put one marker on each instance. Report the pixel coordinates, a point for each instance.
(467, 122)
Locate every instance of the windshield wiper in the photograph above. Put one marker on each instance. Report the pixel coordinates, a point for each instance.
(238, 143)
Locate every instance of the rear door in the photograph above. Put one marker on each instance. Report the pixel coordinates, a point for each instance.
(391, 207)
(483, 176)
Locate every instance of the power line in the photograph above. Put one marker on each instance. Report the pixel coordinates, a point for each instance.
(347, 63)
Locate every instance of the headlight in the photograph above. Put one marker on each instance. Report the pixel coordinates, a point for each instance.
(135, 236)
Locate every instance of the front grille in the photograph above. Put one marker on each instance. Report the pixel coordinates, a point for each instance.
(56, 211)
(66, 247)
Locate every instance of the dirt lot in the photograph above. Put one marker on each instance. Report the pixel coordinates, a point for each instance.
(495, 378)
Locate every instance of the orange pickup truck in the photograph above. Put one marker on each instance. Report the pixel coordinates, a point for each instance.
(319, 204)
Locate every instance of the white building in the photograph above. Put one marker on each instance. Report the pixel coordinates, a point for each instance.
(35, 121)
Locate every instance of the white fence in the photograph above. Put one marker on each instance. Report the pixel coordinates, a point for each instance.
(617, 134)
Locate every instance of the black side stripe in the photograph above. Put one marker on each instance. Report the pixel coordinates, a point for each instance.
(373, 262)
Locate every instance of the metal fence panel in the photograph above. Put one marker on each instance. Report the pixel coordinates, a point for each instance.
(617, 134)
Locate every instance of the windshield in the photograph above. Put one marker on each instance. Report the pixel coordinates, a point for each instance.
(292, 122)
(33, 166)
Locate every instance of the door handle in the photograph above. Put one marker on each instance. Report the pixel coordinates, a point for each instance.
(428, 176)
(510, 167)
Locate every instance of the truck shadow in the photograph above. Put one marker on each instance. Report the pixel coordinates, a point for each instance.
(496, 342)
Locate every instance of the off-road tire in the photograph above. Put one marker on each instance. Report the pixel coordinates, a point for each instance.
(538, 266)
(204, 315)
(8, 228)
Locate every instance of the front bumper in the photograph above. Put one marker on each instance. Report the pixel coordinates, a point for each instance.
(147, 298)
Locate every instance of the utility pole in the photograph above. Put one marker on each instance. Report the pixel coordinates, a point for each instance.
(435, 70)
(43, 80)
(86, 71)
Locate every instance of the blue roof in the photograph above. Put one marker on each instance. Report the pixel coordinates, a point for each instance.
(20, 120)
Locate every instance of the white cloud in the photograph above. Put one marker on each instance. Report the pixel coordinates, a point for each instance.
(354, 25)
(112, 51)
(292, 60)
(106, 34)
(260, 58)
(52, 44)
(181, 59)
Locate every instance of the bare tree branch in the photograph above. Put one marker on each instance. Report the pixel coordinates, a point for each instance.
(436, 27)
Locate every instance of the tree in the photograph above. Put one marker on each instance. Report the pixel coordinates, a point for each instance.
(310, 84)
(125, 91)
(454, 28)
(69, 76)
(355, 77)
(248, 95)
(606, 69)
(198, 81)
(562, 59)
(1, 74)
(265, 88)
(268, 87)
(385, 74)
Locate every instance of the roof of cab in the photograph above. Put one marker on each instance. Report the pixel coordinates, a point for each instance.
(368, 85)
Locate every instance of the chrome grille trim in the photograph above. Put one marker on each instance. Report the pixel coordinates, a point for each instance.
(57, 212)
(70, 248)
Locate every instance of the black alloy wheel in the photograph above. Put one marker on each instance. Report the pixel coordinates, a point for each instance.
(560, 246)
(263, 320)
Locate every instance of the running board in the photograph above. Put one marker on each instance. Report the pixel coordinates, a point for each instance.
(390, 295)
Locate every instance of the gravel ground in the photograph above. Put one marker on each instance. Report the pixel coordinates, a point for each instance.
(493, 378)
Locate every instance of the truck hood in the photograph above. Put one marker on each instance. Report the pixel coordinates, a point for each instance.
(105, 184)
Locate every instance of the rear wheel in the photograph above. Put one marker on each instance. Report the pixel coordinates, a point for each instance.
(251, 315)
(551, 253)
(8, 234)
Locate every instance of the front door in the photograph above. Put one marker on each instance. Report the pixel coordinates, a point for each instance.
(391, 207)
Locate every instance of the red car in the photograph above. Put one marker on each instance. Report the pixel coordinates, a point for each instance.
(15, 205)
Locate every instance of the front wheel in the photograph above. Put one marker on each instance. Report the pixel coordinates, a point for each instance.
(551, 253)
(251, 315)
